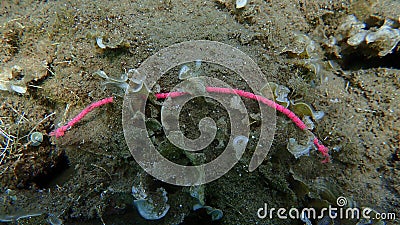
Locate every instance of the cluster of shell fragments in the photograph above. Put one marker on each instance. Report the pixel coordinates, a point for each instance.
(380, 39)
(9, 81)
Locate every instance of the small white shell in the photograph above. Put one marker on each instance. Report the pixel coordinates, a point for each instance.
(317, 115)
(101, 74)
(184, 73)
(241, 4)
(99, 42)
(19, 89)
(135, 76)
(147, 207)
(239, 145)
(135, 86)
(36, 138)
(298, 150)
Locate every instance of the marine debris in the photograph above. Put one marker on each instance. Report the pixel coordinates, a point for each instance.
(292, 116)
(296, 120)
(59, 132)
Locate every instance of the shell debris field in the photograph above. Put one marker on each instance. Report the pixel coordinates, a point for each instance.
(381, 39)
(59, 132)
(335, 61)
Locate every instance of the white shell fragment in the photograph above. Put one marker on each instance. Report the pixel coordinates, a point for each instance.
(317, 115)
(241, 4)
(99, 42)
(121, 83)
(184, 73)
(239, 145)
(120, 44)
(150, 207)
(298, 150)
(134, 76)
(131, 80)
(101, 74)
(148, 210)
(136, 81)
(280, 93)
(302, 45)
(198, 65)
(36, 138)
(351, 26)
(357, 38)
(19, 89)
(8, 80)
